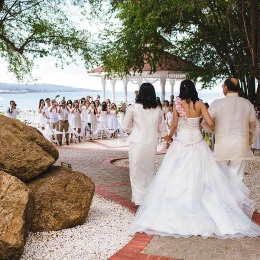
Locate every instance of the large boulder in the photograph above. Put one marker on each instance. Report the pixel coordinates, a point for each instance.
(16, 213)
(62, 198)
(25, 152)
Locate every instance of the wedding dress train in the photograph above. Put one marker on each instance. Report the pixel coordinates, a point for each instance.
(191, 196)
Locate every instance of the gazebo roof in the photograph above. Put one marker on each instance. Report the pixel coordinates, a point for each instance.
(170, 63)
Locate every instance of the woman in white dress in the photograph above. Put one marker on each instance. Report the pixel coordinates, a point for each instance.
(76, 122)
(84, 113)
(112, 120)
(143, 120)
(41, 119)
(92, 112)
(103, 114)
(190, 195)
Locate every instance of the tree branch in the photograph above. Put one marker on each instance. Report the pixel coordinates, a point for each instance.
(11, 44)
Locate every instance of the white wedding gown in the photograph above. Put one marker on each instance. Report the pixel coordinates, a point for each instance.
(191, 196)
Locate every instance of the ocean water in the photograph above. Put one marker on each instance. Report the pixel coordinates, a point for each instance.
(30, 101)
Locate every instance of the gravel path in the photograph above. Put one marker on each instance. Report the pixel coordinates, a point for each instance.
(102, 235)
(252, 176)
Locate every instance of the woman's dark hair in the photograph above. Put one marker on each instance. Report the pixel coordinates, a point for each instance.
(231, 86)
(40, 102)
(146, 96)
(82, 100)
(166, 102)
(113, 104)
(69, 102)
(188, 92)
(93, 102)
(104, 106)
(159, 103)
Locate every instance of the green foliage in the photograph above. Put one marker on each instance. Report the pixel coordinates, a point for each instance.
(31, 29)
(208, 34)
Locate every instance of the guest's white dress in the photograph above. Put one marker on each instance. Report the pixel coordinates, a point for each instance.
(41, 119)
(93, 123)
(84, 115)
(76, 121)
(191, 196)
(103, 118)
(112, 120)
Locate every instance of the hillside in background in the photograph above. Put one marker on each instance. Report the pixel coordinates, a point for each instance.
(41, 87)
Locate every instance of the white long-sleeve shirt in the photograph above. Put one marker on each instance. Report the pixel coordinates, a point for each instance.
(233, 116)
(144, 124)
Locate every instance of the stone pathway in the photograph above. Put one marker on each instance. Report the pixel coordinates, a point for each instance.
(94, 159)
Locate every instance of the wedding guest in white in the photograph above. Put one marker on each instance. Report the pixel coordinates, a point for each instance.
(41, 118)
(143, 120)
(84, 113)
(63, 114)
(136, 94)
(92, 112)
(165, 107)
(53, 113)
(171, 102)
(112, 120)
(103, 114)
(98, 107)
(98, 98)
(12, 111)
(169, 116)
(89, 99)
(46, 112)
(121, 112)
(235, 128)
(190, 194)
(108, 103)
(69, 106)
(76, 122)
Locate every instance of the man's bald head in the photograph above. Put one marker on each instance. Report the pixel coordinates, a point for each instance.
(234, 81)
(232, 84)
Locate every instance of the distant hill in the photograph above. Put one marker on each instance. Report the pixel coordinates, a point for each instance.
(41, 87)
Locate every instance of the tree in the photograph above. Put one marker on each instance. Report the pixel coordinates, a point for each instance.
(213, 37)
(31, 29)
(250, 13)
(1, 5)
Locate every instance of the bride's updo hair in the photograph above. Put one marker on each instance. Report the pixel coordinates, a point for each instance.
(146, 96)
(188, 92)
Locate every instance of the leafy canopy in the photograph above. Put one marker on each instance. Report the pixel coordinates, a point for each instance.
(31, 29)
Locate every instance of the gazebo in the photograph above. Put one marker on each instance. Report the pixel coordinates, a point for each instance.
(172, 69)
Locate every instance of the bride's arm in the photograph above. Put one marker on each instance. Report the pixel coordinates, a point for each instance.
(174, 125)
(208, 122)
(128, 120)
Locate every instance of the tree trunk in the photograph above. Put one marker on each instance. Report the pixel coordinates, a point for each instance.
(251, 88)
(1, 5)
(244, 91)
(257, 101)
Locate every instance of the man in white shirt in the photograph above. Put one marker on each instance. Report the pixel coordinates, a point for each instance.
(63, 114)
(12, 111)
(235, 128)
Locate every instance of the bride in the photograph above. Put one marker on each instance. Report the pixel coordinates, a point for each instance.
(190, 195)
